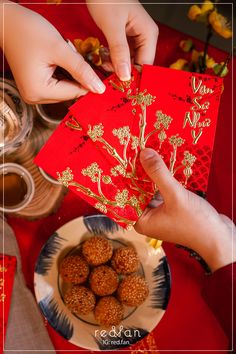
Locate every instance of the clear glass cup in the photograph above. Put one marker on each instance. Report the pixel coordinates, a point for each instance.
(53, 113)
(17, 187)
(16, 118)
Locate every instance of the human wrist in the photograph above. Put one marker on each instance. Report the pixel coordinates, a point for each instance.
(217, 248)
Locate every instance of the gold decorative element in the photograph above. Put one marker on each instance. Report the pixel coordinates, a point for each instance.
(57, 2)
(3, 269)
(188, 161)
(2, 297)
(163, 120)
(95, 132)
(196, 136)
(66, 177)
(101, 207)
(146, 345)
(121, 200)
(74, 124)
(106, 179)
(121, 85)
(176, 141)
(115, 171)
(1, 283)
(162, 137)
(135, 142)
(123, 134)
(93, 171)
(142, 99)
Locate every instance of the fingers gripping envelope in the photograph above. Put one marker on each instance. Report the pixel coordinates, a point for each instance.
(95, 150)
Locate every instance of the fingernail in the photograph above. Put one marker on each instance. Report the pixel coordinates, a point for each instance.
(147, 154)
(97, 86)
(123, 71)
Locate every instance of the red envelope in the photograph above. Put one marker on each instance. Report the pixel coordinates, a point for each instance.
(95, 150)
(7, 272)
(108, 120)
(178, 119)
(72, 158)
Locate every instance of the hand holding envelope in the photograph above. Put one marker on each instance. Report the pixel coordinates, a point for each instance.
(95, 150)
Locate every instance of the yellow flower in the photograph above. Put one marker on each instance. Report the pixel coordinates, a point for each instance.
(207, 6)
(155, 243)
(220, 25)
(89, 49)
(197, 13)
(194, 12)
(210, 62)
(195, 55)
(90, 44)
(220, 69)
(186, 45)
(179, 64)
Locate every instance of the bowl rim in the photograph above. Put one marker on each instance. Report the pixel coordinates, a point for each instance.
(47, 299)
(27, 112)
(14, 167)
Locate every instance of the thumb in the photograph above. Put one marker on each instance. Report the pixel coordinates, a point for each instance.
(156, 169)
(81, 71)
(119, 52)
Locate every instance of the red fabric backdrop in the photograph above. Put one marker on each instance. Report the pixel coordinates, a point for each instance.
(188, 323)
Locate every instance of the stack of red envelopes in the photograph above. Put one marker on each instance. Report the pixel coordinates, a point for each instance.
(95, 150)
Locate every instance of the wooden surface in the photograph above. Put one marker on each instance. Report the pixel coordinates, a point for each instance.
(48, 196)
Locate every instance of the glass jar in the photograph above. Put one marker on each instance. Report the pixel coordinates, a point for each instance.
(16, 118)
(17, 187)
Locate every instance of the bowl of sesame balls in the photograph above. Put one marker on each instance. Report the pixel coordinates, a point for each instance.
(99, 286)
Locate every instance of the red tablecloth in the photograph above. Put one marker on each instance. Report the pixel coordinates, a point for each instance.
(188, 323)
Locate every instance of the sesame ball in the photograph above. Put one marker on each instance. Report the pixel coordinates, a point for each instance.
(80, 300)
(109, 311)
(74, 269)
(103, 280)
(97, 250)
(125, 260)
(133, 290)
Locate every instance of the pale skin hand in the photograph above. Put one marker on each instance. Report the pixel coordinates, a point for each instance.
(129, 30)
(184, 218)
(34, 48)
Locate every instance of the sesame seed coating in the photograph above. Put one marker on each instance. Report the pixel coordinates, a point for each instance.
(109, 311)
(125, 260)
(103, 280)
(133, 290)
(74, 269)
(80, 300)
(97, 250)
